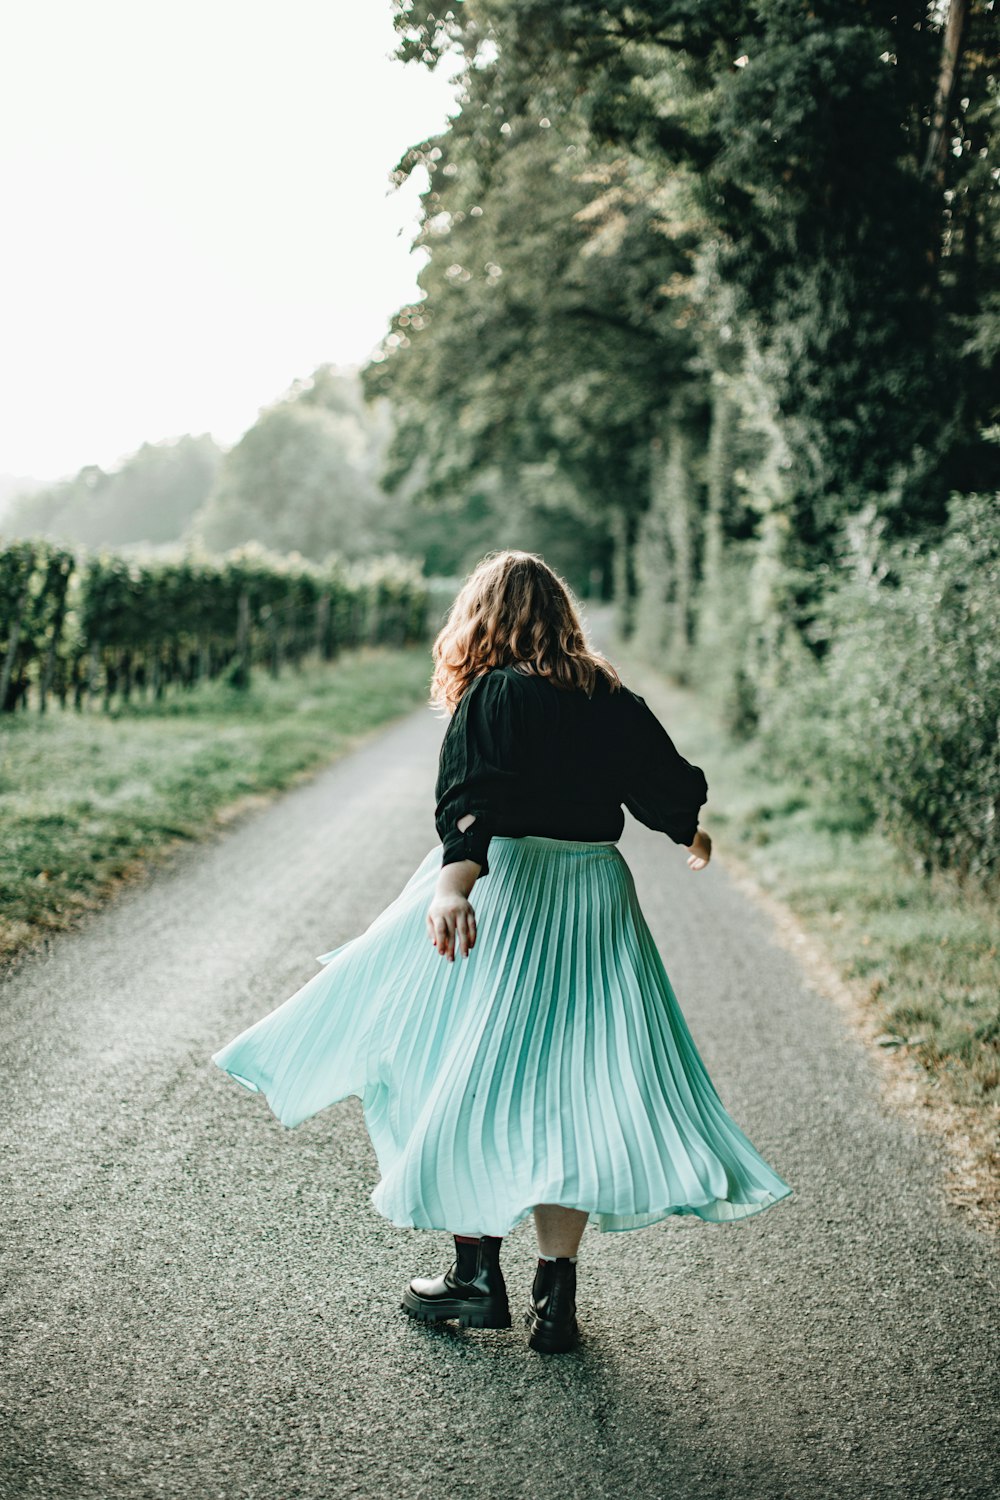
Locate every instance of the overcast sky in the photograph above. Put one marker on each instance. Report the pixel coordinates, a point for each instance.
(196, 212)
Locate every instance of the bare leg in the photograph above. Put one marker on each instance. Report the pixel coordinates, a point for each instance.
(559, 1230)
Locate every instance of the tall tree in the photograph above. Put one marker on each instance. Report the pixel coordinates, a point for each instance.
(549, 327)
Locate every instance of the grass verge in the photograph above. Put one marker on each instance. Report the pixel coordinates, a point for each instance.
(916, 957)
(90, 800)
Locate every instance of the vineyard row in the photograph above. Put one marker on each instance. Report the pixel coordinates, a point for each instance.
(93, 630)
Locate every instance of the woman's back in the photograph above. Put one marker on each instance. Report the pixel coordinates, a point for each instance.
(527, 756)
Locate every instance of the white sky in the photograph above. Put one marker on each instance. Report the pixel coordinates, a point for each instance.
(195, 212)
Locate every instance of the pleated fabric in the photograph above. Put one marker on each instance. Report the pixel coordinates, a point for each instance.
(553, 1065)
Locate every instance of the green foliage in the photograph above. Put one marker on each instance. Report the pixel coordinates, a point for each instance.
(451, 536)
(902, 716)
(303, 477)
(818, 153)
(757, 198)
(534, 365)
(35, 580)
(139, 626)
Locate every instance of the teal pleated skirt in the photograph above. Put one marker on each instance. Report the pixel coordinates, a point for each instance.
(553, 1065)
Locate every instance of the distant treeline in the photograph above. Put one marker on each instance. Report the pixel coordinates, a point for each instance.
(102, 629)
(151, 497)
(721, 283)
(305, 477)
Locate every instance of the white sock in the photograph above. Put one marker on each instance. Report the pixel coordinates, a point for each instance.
(570, 1258)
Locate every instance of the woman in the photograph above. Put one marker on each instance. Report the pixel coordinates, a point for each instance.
(550, 1070)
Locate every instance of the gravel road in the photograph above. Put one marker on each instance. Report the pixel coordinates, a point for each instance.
(198, 1302)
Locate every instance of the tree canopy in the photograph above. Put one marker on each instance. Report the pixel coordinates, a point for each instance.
(638, 206)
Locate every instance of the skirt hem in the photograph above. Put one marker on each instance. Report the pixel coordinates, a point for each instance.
(604, 1221)
(607, 1223)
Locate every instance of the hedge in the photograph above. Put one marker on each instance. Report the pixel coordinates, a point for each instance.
(98, 628)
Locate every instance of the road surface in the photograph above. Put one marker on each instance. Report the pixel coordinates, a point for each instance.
(198, 1302)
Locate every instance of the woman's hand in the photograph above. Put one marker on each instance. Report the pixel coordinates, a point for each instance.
(699, 851)
(451, 924)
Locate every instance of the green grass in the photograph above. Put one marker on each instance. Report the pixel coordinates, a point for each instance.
(921, 952)
(87, 800)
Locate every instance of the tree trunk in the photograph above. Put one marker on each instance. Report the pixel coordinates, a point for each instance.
(243, 639)
(623, 528)
(7, 670)
(322, 626)
(951, 52)
(682, 519)
(718, 513)
(48, 670)
(93, 670)
(79, 684)
(666, 557)
(274, 636)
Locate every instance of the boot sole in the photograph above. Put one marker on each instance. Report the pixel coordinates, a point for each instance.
(545, 1342)
(487, 1314)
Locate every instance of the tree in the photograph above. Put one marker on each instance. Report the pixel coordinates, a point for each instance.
(536, 363)
(303, 477)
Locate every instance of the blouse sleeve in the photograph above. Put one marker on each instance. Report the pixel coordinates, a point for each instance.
(664, 790)
(477, 769)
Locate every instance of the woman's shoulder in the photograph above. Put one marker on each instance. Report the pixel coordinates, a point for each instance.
(515, 701)
(524, 700)
(516, 681)
(489, 690)
(520, 675)
(508, 679)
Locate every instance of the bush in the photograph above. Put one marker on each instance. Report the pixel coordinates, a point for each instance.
(902, 714)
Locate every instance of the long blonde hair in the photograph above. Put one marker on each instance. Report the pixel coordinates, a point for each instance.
(514, 608)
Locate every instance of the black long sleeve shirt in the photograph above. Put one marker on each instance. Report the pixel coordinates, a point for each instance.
(527, 757)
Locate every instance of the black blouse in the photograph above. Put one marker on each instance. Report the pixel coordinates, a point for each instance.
(527, 757)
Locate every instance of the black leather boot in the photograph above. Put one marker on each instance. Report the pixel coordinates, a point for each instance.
(552, 1316)
(472, 1290)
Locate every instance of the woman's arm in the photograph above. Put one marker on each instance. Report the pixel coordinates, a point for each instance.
(663, 790)
(479, 763)
(451, 921)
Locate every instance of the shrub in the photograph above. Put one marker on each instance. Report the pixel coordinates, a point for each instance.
(902, 714)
